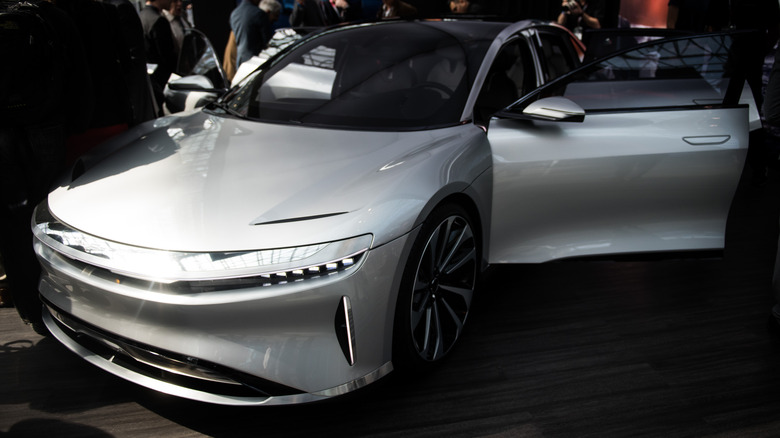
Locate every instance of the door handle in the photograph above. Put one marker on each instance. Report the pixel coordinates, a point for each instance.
(704, 140)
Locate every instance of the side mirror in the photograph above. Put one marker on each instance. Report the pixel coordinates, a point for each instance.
(195, 83)
(190, 92)
(554, 109)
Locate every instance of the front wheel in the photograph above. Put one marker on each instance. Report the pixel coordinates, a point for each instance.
(436, 289)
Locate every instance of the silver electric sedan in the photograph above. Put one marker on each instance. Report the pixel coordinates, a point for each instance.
(326, 221)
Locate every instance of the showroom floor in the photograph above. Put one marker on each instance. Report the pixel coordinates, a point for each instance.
(598, 348)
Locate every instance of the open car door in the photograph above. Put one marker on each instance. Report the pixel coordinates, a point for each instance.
(638, 152)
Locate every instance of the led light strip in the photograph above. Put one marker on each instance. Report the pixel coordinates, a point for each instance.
(171, 266)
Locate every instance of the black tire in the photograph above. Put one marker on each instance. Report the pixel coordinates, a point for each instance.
(437, 288)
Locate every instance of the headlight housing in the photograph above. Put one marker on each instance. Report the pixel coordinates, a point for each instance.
(264, 267)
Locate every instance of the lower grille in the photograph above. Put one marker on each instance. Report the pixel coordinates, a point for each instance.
(166, 366)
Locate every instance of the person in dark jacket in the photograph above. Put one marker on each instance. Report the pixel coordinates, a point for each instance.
(762, 17)
(307, 13)
(47, 96)
(772, 116)
(251, 23)
(160, 48)
(579, 15)
(134, 70)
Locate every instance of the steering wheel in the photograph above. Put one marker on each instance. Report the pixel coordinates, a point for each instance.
(445, 92)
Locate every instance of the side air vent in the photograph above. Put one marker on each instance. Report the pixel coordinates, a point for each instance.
(345, 329)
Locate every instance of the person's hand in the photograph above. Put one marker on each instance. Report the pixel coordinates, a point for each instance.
(569, 7)
(459, 6)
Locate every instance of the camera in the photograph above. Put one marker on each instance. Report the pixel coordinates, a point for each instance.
(570, 4)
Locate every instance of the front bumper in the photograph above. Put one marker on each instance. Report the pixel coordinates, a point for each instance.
(275, 344)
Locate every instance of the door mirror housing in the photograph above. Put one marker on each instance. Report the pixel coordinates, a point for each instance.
(195, 83)
(551, 109)
(190, 92)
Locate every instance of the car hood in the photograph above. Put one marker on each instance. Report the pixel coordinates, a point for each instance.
(200, 182)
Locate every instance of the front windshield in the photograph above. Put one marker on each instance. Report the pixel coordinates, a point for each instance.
(401, 76)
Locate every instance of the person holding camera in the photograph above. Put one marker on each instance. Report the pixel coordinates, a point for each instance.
(577, 15)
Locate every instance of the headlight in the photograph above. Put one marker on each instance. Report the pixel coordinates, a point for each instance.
(268, 266)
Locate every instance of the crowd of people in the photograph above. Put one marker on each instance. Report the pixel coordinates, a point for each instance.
(79, 77)
(92, 79)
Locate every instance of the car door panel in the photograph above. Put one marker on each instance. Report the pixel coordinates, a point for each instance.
(622, 182)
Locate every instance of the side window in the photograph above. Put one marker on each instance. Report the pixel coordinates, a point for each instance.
(682, 72)
(675, 73)
(511, 76)
(556, 56)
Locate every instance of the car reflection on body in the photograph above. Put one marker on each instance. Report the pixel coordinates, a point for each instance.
(281, 39)
(199, 78)
(326, 222)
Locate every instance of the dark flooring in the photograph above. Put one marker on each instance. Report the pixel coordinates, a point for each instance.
(659, 349)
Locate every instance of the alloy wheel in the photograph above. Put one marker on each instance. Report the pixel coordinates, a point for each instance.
(443, 288)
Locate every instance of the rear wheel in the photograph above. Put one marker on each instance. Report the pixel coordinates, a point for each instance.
(437, 288)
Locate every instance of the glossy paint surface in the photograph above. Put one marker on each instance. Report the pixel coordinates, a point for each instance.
(205, 183)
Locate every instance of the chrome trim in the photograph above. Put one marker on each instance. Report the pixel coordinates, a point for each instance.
(141, 379)
(147, 357)
(350, 324)
(357, 383)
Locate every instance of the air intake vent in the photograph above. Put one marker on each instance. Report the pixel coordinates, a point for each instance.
(165, 366)
(345, 329)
